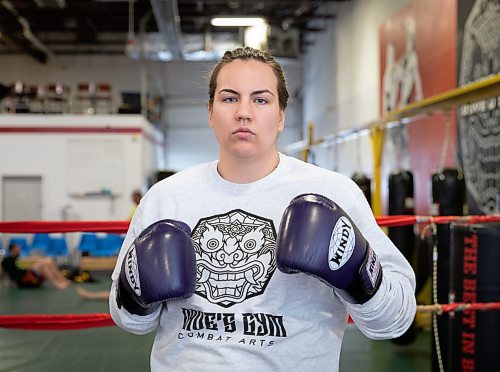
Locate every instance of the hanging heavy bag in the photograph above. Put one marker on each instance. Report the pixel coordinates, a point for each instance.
(474, 277)
(401, 202)
(365, 184)
(448, 198)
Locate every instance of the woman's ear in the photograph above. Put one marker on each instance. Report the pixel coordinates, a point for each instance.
(281, 123)
(210, 115)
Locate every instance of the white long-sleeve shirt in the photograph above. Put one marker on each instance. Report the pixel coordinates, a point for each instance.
(245, 313)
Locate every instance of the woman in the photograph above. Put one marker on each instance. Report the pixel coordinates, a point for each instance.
(214, 295)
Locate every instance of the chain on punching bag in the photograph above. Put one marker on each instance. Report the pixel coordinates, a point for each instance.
(401, 202)
(448, 198)
(365, 184)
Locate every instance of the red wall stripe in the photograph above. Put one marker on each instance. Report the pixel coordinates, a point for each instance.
(69, 130)
(63, 130)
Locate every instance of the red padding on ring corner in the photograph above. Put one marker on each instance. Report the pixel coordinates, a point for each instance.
(56, 321)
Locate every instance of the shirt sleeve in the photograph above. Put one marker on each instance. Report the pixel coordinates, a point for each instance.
(392, 310)
(130, 322)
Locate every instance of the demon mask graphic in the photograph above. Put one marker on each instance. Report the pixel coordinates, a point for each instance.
(235, 256)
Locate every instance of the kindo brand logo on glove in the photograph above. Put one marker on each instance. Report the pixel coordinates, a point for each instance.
(341, 244)
(132, 271)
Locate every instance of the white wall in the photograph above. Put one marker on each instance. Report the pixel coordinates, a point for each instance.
(120, 162)
(341, 80)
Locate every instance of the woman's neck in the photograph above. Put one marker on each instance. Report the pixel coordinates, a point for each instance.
(247, 170)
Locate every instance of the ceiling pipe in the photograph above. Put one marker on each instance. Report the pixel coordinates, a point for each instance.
(28, 34)
(167, 18)
(35, 53)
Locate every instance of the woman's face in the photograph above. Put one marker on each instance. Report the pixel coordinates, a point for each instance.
(245, 114)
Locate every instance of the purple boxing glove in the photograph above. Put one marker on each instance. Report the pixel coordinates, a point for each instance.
(316, 237)
(159, 266)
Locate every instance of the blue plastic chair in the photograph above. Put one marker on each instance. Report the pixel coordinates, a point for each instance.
(117, 243)
(109, 245)
(57, 247)
(25, 248)
(88, 244)
(41, 243)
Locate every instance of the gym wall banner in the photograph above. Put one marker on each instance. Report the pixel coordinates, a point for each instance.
(417, 60)
(479, 122)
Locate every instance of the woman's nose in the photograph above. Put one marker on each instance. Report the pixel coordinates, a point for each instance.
(244, 111)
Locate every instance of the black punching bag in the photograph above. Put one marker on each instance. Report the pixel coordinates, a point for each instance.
(365, 184)
(448, 198)
(474, 277)
(401, 202)
(448, 192)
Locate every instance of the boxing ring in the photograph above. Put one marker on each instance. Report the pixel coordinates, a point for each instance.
(94, 320)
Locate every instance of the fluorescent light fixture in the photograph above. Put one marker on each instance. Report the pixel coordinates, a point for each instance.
(256, 36)
(237, 21)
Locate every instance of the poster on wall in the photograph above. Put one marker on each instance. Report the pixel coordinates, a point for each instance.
(417, 47)
(479, 122)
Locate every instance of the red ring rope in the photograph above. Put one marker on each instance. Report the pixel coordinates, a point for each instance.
(82, 321)
(114, 227)
(459, 306)
(119, 227)
(56, 321)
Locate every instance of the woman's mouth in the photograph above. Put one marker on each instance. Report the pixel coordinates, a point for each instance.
(243, 133)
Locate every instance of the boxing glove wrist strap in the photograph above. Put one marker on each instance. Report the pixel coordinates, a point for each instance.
(130, 304)
(366, 282)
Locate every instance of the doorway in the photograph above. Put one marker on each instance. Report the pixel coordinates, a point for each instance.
(22, 198)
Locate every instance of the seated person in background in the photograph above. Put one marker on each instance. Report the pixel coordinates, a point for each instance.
(44, 268)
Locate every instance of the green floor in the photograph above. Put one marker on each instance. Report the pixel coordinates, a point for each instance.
(111, 349)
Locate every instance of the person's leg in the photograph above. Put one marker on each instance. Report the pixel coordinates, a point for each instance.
(47, 267)
(60, 279)
(89, 295)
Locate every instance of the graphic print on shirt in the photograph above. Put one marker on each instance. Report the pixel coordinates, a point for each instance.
(235, 256)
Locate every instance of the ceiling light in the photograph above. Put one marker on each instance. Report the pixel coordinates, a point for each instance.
(237, 21)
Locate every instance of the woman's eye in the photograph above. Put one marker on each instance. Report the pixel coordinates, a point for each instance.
(229, 99)
(260, 101)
